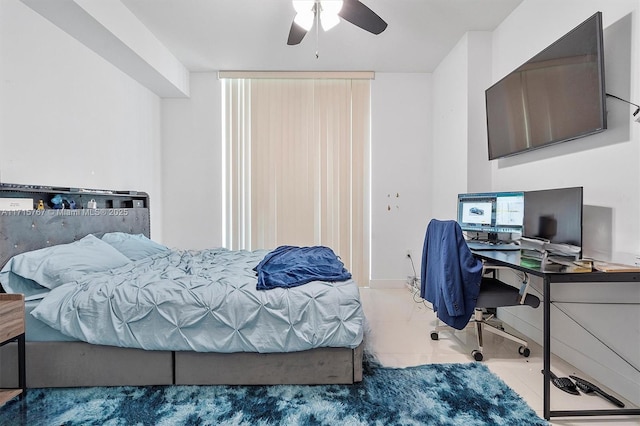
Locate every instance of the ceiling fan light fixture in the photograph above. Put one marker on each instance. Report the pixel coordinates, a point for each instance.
(305, 13)
(331, 7)
(330, 13)
(303, 6)
(305, 20)
(328, 20)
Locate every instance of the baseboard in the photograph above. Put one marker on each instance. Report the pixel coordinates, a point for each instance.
(400, 284)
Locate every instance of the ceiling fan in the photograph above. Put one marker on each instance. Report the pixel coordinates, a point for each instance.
(328, 12)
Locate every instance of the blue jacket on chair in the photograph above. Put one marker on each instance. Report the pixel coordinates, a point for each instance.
(451, 275)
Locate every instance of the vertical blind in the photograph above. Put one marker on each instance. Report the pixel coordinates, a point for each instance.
(297, 165)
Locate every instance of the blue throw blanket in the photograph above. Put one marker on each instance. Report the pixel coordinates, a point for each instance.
(289, 266)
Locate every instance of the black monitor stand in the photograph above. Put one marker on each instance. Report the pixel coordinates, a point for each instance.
(492, 237)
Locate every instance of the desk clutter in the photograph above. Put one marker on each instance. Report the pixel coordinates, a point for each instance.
(542, 253)
(603, 266)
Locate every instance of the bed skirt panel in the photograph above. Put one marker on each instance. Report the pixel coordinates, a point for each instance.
(80, 364)
(316, 366)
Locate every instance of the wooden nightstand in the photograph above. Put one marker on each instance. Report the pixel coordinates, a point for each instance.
(12, 329)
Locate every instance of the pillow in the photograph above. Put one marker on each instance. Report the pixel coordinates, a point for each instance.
(12, 283)
(135, 247)
(56, 265)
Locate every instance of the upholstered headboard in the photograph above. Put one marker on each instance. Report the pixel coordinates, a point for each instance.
(26, 230)
(30, 230)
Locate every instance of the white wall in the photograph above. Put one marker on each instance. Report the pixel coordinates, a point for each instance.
(401, 145)
(192, 159)
(459, 141)
(69, 118)
(600, 335)
(479, 51)
(450, 125)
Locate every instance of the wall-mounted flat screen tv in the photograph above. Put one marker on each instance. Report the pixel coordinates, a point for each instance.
(556, 96)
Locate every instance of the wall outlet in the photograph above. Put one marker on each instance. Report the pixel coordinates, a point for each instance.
(409, 253)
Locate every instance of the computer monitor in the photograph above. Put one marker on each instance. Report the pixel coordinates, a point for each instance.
(554, 214)
(491, 213)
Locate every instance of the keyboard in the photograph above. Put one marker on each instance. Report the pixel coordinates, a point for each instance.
(479, 245)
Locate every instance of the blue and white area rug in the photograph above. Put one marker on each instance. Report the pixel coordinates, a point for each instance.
(437, 394)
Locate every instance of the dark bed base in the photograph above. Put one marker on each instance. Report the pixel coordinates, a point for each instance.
(317, 366)
(79, 364)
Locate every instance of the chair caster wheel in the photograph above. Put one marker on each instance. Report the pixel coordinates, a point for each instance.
(524, 351)
(434, 335)
(477, 355)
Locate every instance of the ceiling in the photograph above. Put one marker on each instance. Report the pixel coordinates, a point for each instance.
(207, 35)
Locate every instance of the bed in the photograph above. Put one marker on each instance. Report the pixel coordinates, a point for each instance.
(77, 354)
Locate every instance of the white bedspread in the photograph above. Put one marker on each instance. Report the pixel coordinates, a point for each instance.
(204, 301)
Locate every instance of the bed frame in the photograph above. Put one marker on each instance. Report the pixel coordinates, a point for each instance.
(75, 364)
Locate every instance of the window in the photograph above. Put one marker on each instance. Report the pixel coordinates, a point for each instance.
(297, 165)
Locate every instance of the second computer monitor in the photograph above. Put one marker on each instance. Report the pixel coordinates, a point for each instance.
(555, 215)
(491, 212)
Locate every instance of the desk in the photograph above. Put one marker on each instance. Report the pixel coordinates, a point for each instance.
(511, 259)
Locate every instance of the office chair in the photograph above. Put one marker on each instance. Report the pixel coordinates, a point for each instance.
(460, 286)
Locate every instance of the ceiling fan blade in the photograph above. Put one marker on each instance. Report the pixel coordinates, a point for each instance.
(361, 16)
(296, 34)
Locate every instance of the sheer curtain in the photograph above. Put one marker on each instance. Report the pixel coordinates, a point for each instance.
(297, 164)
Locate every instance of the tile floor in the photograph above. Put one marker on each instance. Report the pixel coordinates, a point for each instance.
(400, 326)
